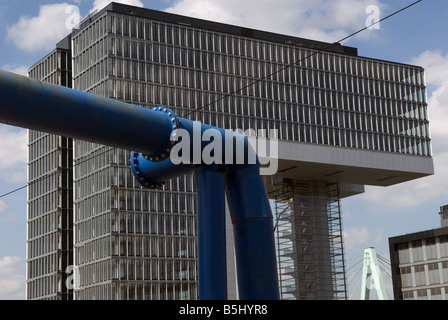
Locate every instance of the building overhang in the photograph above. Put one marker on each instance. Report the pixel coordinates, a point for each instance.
(347, 166)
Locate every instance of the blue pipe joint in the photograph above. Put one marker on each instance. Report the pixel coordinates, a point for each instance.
(174, 123)
(153, 175)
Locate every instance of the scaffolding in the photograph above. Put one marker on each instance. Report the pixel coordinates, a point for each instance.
(310, 251)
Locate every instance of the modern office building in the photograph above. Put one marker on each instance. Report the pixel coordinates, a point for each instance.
(343, 121)
(50, 193)
(419, 263)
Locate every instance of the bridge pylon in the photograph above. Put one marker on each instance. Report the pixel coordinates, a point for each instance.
(371, 276)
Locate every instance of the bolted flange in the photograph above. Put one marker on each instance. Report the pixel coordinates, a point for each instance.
(138, 174)
(175, 124)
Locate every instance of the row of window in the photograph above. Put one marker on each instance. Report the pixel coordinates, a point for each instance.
(122, 177)
(86, 151)
(156, 32)
(138, 200)
(90, 35)
(359, 113)
(41, 144)
(154, 269)
(300, 85)
(427, 274)
(186, 64)
(426, 294)
(93, 75)
(42, 169)
(93, 273)
(136, 270)
(156, 201)
(138, 223)
(95, 182)
(94, 205)
(46, 66)
(44, 205)
(152, 223)
(154, 246)
(43, 287)
(94, 250)
(93, 158)
(54, 68)
(47, 282)
(41, 266)
(138, 70)
(43, 224)
(422, 250)
(92, 228)
(153, 290)
(44, 244)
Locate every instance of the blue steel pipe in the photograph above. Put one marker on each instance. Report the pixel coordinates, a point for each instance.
(212, 281)
(42, 106)
(253, 232)
(54, 109)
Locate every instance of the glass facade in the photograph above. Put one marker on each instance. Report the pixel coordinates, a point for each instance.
(134, 243)
(50, 196)
(328, 98)
(131, 243)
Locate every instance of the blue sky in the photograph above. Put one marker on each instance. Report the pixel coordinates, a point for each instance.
(416, 36)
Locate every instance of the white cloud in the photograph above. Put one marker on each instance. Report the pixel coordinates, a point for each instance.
(3, 206)
(319, 20)
(43, 31)
(100, 4)
(13, 154)
(435, 64)
(4, 216)
(354, 238)
(12, 278)
(51, 25)
(16, 68)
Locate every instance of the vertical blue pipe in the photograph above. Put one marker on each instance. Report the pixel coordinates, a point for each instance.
(254, 234)
(212, 271)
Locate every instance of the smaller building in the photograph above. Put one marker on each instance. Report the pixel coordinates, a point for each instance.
(419, 263)
(444, 215)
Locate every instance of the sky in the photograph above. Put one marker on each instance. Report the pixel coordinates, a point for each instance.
(30, 29)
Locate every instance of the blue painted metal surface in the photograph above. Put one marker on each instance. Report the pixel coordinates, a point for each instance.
(253, 232)
(212, 275)
(55, 109)
(152, 135)
(153, 174)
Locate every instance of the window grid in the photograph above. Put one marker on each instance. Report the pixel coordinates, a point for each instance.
(367, 104)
